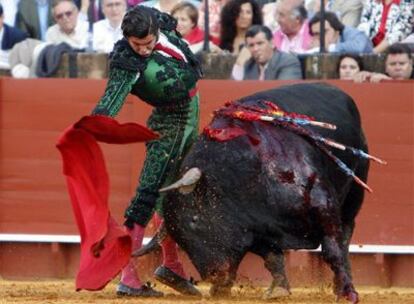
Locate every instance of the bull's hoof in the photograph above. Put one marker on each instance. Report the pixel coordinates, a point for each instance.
(275, 293)
(351, 296)
(173, 280)
(220, 291)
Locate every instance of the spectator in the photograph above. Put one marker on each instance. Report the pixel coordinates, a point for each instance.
(108, 31)
(236, 17)
(67, 28)
(386, 22)
(10, 11)
(398, 66)
(293, 34)
(186, 15)
(348, 11)
(9, 36)
(34, 17)
(348, 66)
(95, 10)
(266, 63)
(338, 38)
(214, 10)
(90, 10)
(166, 6)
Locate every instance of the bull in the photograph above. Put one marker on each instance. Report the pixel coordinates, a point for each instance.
(262, 187)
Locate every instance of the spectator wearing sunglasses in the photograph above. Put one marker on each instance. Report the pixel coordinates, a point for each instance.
(68, 28)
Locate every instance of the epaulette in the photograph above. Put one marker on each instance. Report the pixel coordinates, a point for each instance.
(124, 57)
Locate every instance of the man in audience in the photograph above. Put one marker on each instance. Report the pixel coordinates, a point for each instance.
(34, 17)
(68, 27)
(338, 38)
(108, 31)
(398, 66)
(9, 36)
(266, 63)
(293, 34)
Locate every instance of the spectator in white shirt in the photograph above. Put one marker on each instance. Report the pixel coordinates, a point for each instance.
(108, 31)
(68, 28)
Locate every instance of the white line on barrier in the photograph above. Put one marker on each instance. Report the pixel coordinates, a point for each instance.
(44, 238)
(75, 239)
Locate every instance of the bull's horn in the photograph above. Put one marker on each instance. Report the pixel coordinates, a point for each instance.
(187, 183)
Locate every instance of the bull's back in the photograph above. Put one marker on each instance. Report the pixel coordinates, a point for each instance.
(323, 102)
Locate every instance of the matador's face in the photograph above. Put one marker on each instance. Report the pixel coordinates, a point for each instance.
(143, 46)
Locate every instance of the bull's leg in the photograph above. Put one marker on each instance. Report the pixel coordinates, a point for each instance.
(223, 281)
(347, 234)
(333, 254)
(275, 263)
(351, 207)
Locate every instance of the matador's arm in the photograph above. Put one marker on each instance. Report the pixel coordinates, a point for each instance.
(119, 85)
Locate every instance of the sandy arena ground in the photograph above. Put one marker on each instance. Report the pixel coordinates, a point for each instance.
(62, 292)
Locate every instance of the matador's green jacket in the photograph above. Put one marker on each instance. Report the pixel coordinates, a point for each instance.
(165, 83)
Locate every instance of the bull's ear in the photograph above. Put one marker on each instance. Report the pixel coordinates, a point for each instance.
(187, 183)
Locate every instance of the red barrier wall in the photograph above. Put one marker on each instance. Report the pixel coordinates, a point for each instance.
(33, 197)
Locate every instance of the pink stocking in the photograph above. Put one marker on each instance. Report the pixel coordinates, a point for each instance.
(169, 252)
(129, 276)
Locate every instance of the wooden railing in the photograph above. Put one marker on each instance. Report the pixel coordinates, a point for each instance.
(215, 66)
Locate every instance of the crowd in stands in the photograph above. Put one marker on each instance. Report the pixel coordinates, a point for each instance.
(268, 38)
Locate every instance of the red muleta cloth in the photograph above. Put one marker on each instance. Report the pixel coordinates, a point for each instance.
(105, 245)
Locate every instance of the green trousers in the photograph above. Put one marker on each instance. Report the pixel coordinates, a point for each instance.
(178, 129)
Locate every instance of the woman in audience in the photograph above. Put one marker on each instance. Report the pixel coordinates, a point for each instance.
(236, 17)
(186, 15)
(386, 22)
(348, 66)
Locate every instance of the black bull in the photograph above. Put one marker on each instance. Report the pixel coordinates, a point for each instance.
(280, 192)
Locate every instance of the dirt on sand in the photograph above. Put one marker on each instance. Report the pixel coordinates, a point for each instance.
(63, 292)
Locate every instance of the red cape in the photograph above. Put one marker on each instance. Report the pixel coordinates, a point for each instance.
(105, 245)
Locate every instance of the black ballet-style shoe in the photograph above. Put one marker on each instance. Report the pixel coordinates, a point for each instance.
(176, 282)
